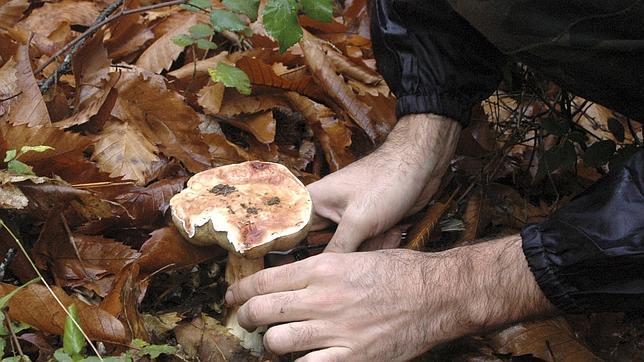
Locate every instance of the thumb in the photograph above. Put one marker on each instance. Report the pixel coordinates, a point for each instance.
(348, 236)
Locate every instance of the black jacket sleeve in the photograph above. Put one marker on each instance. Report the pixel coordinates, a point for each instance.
(589, 256)
(432, 59)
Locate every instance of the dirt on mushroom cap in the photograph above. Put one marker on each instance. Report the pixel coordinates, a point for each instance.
(253, 202)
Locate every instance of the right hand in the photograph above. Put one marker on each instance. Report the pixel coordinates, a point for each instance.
(371, 195)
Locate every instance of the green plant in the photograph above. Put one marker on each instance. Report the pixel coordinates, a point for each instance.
(74, 344)
(279, 19)
(19, 167)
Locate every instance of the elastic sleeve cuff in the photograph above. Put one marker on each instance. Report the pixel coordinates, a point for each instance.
(418, 104)
(558, 293)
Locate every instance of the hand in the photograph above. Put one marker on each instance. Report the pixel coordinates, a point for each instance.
(388, 305)
(371, 195)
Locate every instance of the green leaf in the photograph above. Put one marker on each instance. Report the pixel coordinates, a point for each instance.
(280, 22)
(197, 5)
(225, 20)
(122, 358)
(231, 76)
(599, 153)
(206, 44)
(615, 127)
(5, 298)
(183, 40)
(17, 359)
(61, 356)
(155, 350)
(3, 344)
(321, 10)
(246, 7)
(39, 149)
(10, 155)
(73, 339)
(199, 31)
(19, 167)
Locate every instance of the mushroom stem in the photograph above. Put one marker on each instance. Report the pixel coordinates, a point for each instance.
(238, 268)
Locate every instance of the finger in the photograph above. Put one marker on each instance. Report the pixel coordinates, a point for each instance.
(333, 354)
(299, 336)
(275, 308)
(351, 232)
(282, 278)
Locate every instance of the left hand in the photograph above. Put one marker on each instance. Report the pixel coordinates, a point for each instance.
(388, 305)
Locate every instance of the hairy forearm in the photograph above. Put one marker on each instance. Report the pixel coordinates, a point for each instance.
(423, 140)
(490, 285)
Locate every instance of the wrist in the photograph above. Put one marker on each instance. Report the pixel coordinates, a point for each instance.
(425, 141)
(500, 288)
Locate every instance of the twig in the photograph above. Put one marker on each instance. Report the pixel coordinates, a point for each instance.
(58, 301)
(99, 24)
(65, 66)
(10, 97)
(15, 338)
(11, 253)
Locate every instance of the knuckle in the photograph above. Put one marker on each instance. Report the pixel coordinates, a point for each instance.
(254, 311)
(274, 341)
(262, 282)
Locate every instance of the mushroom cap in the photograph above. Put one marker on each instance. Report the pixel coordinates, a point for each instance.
(248, 208)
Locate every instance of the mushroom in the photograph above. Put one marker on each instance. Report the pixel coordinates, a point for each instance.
(249, 209)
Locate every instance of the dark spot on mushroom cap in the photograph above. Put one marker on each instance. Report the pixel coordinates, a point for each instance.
(223, 189)
(273, 201)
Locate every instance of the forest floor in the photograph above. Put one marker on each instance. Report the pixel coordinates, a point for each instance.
(108, 107)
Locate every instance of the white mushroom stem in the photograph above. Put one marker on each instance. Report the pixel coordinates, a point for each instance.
(238, 268)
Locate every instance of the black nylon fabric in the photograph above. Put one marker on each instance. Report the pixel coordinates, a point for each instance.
(432, 59)
(589, 256)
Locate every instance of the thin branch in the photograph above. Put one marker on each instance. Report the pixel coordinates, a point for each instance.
(65, 66)
(15, 338)
(10, 97)
(99, 24)
(11, 253)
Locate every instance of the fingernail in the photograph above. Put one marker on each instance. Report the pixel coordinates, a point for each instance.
(229, 297)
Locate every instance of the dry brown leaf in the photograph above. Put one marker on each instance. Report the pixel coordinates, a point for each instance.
(332, 134)
(90, 66)
(160, 55)
(472, 216)
(80, 260)
(337, 89)
(127, 34)
(261, 125)
(11, 12)
(262, 74)
(205, 339)
(28, 106)
(200, 69)
(62, 142)
(550, 340)
(211, 97)
(103, 96)
(148, 204)
(235, 103)
(36, 306)
(163, 117)
(52, 16)
(122, 150)
(166, 248)
(345, 66)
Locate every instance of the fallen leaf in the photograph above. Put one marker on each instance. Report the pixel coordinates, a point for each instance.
(36, 306)
(27, 105)
(235, 103)
(163, 118)
(160, 55)
(262, 74)
(332, 134)
(51, 16)
(147, 205)
(419, 234)
(260, 125)
(166, 249)
(211, 97)
(345, 66)
(122, 150)
(158, 325)
(548, 340)
(338, 90)
(205, 339)
(201, 68)
(11, 11)
(127, 34)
